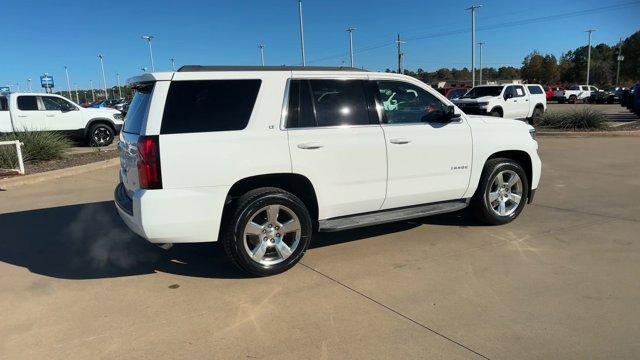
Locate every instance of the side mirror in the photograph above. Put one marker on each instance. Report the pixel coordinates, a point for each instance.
(450, 114)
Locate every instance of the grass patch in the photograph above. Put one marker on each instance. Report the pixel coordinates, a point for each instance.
(583, 119)
(38, 146)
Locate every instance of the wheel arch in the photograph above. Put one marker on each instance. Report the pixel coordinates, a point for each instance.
(521, 157)
(297, 184)
(499, 109)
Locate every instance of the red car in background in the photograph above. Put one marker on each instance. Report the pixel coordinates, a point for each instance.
(548, 91)
(453, 92)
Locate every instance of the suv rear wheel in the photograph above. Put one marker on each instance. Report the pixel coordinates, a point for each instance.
(269, 231)
(502, 193)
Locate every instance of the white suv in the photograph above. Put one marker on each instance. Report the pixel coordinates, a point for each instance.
(262, 157)
(512, 101)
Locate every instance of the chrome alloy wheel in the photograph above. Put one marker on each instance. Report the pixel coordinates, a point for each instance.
(272, 234)
(505, 193)
(101, 135)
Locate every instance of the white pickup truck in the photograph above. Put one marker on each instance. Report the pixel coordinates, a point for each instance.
(49, 112)
(574, 93)
(513, 101)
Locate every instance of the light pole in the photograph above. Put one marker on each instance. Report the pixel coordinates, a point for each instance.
(149, 38)
(29, 80)
(589, 54)
(93, 94)
(473, 42)
(261, 54)
(119, 89)
(18, 86)
(173, 64)
(104, 78)
(66, 71)
(77, 98)
(350, 31)
(304, 61)
(481, 44)
(400, 55)
(619, 58)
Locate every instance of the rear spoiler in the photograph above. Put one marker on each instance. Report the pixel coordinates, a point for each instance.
(149, 77)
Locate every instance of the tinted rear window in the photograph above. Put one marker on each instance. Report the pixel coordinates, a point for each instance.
(535, 89)
(138, 110)
(28, 103)
(209, 105)
(4, 106)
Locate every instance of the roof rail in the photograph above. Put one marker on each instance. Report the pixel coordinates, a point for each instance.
(196, 68)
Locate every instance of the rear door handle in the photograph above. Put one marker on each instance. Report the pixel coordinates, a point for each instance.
(51, 116)
(22, 115)
(310, 145)
(400, 141)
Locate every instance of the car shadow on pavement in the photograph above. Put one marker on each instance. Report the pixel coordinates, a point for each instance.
(90, 241)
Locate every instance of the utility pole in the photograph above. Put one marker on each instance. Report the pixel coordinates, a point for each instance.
(620, 58)
(93, 94)
(473, 42)
(119, 88)
(481, 44)
(173, 64)
(149, 38)
(261, 54)
(104, 78)
(589, 54)
(66, 71)
(304, 60)
(350, 31)
(400, 55)
(29, 80)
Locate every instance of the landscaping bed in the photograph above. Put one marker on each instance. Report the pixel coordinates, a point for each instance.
(66, 161)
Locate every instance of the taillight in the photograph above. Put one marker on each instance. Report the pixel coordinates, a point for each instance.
(149, 163)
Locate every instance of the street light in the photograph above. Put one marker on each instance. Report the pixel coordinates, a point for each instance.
(119, 89)
(473, 42)
(66, 71)
(480, 44)
(304, 61)
(261, 54)
(93, 94)
(77, 98)
(149, 38)
(29, 83)
(173, 64)
(104, 78)
(589, 54)
(350, 31)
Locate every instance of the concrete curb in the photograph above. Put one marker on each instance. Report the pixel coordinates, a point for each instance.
(577, 134)
(55, 174)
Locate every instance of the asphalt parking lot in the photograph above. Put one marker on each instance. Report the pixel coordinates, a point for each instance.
(560, 282)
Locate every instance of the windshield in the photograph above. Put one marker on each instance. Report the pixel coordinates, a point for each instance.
(138, 109)
(481, 91)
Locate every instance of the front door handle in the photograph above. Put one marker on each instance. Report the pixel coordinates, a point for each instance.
(22, 115)
(400, 141)
(51, 116)
(310, 145)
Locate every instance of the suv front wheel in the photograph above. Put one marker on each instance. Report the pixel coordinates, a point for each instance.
(268, 231)
(502, 192)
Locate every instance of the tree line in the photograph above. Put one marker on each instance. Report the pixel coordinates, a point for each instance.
(546, 69)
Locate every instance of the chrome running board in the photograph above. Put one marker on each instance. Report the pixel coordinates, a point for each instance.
(391, 215)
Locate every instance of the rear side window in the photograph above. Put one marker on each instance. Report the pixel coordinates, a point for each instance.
(534, 90)
(4, 105)
(209, 105)
(327, 103)
(138, 109)
(27, 103)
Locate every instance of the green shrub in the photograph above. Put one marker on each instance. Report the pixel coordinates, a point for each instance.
(584, 119)
(38, 146)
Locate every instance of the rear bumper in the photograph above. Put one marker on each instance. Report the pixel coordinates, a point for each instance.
(173, 215)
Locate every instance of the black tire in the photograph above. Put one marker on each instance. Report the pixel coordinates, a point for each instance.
(100, 135)
(561, 100)
(495, 113)
(480, 204)
(535, 117)
(242, 211)
(573, 99)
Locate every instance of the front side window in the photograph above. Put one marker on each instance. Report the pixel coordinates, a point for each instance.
(209, 105)
(405, 103)
(54, 103)
(573, 87)
(28, 103)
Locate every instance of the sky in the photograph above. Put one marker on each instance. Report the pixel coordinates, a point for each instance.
(44, 36)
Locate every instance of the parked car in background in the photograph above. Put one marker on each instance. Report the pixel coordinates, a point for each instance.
(512, 101)
(260, 158)
(108, 103)
(456, 93)
(609, 96)
(575, 93)
(558, 92)
(50, 112)
(122, 106)
(548, 92)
